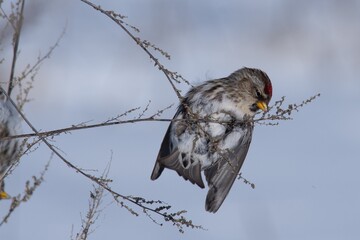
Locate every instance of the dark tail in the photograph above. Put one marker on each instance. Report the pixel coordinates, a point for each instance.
(156, 171)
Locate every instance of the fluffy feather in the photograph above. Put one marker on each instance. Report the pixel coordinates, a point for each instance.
(211, 132)
(9, 149)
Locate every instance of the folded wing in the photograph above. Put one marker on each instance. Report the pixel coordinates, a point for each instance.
(221, 175)
(169, 157)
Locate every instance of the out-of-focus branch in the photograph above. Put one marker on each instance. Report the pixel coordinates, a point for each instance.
(29, 147)
(16, 40)
(28, 193)
(23, 95)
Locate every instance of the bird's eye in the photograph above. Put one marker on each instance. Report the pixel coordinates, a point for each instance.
(258, 94)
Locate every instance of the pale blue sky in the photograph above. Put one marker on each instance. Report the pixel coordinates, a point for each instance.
(305, 170)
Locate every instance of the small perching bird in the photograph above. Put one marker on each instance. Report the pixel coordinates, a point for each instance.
(211, 131)
(10, 125)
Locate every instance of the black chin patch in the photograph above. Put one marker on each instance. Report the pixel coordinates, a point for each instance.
(254, 108)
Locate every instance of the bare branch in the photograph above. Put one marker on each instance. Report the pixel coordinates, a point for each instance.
(177, 218)
(16, 39)
(28, 193)
(151, 208)
(23, 96)
(94, 210)
(170, 76)
(281, 114)
(266, 118)
(110, 122)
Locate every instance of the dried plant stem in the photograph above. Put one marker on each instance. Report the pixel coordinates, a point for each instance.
(23, 95)
(28, 193)
(168, 74)
(94, 210)
(175, 218)
(269, 118)
(16, 41)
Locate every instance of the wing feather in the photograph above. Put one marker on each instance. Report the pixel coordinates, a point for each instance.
(165, 151)
(169, 157)
(222, 174)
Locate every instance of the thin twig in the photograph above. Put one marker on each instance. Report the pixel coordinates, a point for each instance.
(170, 76)
(110, 122)
(175, 218)
(94, 210)
(16, 41)
(23, 95)
(28, 193)
(267, 118)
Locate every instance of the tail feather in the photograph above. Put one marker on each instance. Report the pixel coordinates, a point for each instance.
(158, 168)
(165, 150)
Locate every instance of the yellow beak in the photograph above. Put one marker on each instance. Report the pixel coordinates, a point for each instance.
(4, 195)
(262, 105)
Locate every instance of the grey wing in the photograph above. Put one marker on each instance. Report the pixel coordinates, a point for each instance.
(168, 157)
(9, 125)
(222, 174)
(165, 151)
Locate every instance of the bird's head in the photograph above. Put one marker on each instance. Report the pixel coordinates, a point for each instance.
(256, 87)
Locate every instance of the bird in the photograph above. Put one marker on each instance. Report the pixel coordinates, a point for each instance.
(10, 125)
(212, 130)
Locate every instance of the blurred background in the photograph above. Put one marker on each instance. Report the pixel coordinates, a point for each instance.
(306, 171)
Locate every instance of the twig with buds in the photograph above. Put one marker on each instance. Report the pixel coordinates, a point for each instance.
(30, 188)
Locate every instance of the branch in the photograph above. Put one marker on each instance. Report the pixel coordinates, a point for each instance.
(118, 19)
(22, 97)
(16, 40)
(94, 210)
(176, 218)
(28, 193)
(109, 122)
(278, 113)
(275, 114)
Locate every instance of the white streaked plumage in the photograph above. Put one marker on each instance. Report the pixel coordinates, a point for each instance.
(10, 125)
(218, 142)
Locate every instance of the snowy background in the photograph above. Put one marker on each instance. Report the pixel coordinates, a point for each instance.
(306, 171)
